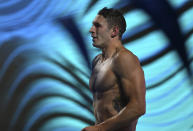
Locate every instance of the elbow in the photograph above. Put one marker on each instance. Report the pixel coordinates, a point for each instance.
(141, 110)
(138, 110)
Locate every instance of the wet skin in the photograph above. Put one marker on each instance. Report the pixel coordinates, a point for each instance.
(117, 82)
(108, 97)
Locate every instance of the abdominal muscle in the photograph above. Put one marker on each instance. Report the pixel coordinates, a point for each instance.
(106, 104)
(103, 106)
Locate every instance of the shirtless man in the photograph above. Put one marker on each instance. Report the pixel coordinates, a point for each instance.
(117, 80)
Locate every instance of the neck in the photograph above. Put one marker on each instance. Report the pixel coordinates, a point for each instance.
(111, 49)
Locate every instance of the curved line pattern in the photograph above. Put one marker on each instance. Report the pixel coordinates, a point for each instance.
(17, 22)
(13, 55)
(10, 104)
(16, 6)
(30, 94)
(41, 112)
(38, 125)
(66, 129)
(39, 84)
(21, 109)
(168, 123)
(7, 4)
(166, 78)
(23, 75)
(165, 94)
(172, 107)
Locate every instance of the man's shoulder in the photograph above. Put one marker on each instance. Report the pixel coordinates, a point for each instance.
(127, 57)
(126, 61)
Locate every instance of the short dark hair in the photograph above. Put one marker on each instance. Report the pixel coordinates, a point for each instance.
(114, 18)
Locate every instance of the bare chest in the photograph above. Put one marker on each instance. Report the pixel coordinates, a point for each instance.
(102, 77)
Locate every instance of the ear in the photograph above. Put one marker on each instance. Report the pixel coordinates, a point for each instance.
(115, 31)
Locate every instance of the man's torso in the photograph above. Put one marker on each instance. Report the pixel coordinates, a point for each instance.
(108, 99)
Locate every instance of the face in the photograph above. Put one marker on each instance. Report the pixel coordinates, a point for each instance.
(100, 32)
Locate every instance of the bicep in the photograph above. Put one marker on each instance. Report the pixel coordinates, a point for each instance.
(133, 86)
(131, 78)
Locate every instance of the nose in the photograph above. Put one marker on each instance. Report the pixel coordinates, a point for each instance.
(91, 29)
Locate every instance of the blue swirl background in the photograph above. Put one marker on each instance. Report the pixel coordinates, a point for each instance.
(46, 53)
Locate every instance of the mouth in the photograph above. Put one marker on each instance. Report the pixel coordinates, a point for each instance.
(94, 38)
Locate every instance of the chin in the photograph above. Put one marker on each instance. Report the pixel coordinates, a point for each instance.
(95, 45)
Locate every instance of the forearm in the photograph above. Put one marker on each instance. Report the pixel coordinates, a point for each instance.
(122, 120)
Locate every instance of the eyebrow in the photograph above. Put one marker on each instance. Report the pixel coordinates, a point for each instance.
(96, 23)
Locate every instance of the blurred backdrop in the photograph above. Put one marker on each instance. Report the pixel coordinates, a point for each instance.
(46, 53)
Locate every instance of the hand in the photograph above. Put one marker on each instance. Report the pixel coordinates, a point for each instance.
(92, 128)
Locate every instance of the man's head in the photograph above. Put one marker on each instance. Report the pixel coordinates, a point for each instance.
(114, 19)
(107, 25)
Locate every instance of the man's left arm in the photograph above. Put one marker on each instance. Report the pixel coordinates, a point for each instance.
(131, 77)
